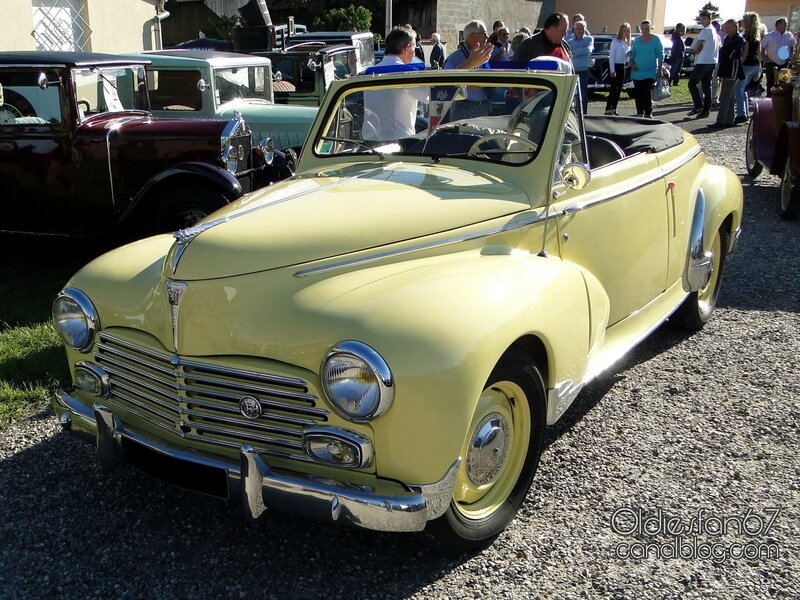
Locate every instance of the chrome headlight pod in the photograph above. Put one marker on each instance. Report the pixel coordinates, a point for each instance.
(75, 319)
(357, 381)
(92, 379)
(230, 158)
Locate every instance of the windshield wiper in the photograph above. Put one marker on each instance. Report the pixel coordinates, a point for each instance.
(369, 149)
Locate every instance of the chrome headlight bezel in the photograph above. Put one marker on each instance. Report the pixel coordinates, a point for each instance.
(230, 158)
(382, 384)
(83, 340)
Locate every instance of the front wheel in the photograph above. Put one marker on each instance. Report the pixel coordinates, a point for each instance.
(754, 167)
(696, 309)
(499, 457)
(789, 196)
(185, 206)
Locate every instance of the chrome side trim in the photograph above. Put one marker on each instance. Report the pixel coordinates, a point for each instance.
(569, 210)
(699, 263)
(535, 218)
(560, 397)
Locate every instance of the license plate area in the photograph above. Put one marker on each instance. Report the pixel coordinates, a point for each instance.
(188, 475)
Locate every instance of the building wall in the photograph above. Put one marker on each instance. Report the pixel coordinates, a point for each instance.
(122, 25)
(771, 10)
(117, 25)
(612, 13)
(514, 13)
(15, 31)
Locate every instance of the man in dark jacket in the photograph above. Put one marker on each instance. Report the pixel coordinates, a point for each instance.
(548, 42)
(729, 71)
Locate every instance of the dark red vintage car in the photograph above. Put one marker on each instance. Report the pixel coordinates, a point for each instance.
(80, 154)
(773, 139)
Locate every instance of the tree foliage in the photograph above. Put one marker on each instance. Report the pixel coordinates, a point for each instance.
(712, 9)
(221, 28)
(350, 18)
(342, 15)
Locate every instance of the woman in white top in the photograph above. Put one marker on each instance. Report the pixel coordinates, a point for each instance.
(617, 57)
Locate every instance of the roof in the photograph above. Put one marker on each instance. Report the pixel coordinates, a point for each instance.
(328, 36)
(69, 59)
(212, 57)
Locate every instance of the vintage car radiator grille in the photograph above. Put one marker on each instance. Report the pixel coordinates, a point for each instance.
(200, 401)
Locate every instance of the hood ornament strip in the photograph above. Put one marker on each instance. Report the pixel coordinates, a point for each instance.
(175, 290)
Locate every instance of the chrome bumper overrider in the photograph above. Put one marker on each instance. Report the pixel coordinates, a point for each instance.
(393, 507)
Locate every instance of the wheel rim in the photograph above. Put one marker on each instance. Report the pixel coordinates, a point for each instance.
(787, 185)
(707, 295)
(750, 153)
(494, 452)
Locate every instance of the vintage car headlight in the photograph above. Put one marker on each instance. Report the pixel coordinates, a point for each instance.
(92, 379)
(230, 157)
(357, 381)
(75, 319)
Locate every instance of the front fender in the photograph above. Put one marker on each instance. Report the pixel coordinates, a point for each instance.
(442, 327)
(200, 172)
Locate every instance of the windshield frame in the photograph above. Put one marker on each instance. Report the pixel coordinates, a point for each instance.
(455, 79)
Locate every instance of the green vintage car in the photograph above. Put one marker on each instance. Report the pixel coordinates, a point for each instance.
(216, 85)
(383, 339)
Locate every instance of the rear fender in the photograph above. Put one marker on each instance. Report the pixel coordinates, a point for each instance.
(723, 196)
(788, 144)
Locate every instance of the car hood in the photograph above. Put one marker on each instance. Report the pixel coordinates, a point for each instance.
(287, 125)
(334, 214)
(143, 124)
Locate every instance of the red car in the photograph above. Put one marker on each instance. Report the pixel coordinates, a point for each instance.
(82, 155)
(773, 140)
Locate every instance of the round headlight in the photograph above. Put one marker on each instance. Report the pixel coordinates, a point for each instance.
(75, 319)
(357, 381)
(231, 159)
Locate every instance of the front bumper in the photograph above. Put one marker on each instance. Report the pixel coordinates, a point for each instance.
(387, 506)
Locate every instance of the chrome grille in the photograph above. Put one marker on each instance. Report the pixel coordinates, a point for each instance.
(200, 401)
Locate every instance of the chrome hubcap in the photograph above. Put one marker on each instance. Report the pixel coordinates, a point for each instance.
(488, 449)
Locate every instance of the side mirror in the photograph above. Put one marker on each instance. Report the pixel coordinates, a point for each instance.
(312, 64)
(278, 76)
(575, 175)
(45, 83)
(202, 85)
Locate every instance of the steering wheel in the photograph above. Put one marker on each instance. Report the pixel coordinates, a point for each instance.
(85, 103)
(501, 136)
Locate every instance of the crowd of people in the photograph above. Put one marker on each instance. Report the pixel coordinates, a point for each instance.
(728, 58)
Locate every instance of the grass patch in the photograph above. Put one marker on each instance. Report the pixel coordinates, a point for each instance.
(32, 359)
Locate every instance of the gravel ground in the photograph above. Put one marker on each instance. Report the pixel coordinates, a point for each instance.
(687, 431)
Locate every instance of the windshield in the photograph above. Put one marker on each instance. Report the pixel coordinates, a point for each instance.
(242, 82)
(488, 122)
(109, 89)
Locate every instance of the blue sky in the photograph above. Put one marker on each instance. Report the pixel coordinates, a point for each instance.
(686, 10)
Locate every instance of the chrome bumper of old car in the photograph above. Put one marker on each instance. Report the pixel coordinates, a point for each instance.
(387, 506)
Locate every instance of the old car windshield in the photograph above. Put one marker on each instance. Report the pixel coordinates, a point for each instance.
(486, 121)
(110, 89)
(242, 82)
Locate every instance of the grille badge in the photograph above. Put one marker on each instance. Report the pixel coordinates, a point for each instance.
(250, 407)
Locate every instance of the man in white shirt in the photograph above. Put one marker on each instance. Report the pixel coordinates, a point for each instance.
(390, 115)
(770, 44)
(706, 50)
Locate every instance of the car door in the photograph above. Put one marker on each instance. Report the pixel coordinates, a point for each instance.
(36, 166)
(616, 227)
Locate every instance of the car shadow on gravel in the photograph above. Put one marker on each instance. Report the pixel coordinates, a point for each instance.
(73, 530)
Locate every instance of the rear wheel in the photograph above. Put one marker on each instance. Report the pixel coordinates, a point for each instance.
(499, 457)
(185, 206)
(754, 167)
(789, 201)
(698, 306)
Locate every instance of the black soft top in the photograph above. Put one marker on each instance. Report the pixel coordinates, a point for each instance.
(68, 59)
(633, 134)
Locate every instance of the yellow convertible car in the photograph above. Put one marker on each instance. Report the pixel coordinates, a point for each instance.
(382, 339)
